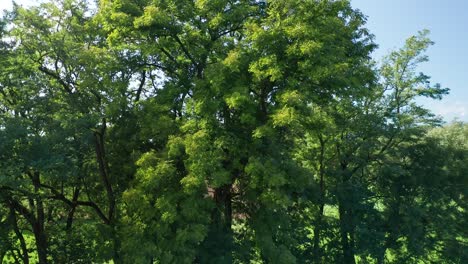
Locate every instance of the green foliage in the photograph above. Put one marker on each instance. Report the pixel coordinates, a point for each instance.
(137, 131)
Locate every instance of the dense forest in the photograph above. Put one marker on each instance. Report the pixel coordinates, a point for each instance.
(221, 131)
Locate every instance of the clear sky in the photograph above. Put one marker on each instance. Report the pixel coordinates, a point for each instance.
(392, 21)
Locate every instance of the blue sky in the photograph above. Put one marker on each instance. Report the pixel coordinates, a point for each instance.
(392, 21)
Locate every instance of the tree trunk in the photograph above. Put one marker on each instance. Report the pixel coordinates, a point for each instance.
(345, 213)
(2, 255)
(317, 230)
(223, 221)
(117, 258)
(41, 242)
(218, 245)
(346, 237)
(104, 171)
(20, 236)
(38, 225)
(318, 225)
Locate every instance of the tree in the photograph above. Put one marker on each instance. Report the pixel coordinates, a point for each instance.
(59, 87)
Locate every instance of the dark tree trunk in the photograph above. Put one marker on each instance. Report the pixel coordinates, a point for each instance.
(20, 236)
(347, 242)
(319, 223)
(104, 171)
(117, 258)
(2, 255)
(41, 242)
(218, 245)
(317, 234)
(223, 221)
(345, 213)
(38, 225)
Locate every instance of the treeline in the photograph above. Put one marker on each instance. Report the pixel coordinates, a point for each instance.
(221, 131)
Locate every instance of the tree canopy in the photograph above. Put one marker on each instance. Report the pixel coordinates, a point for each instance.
(221, 131)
